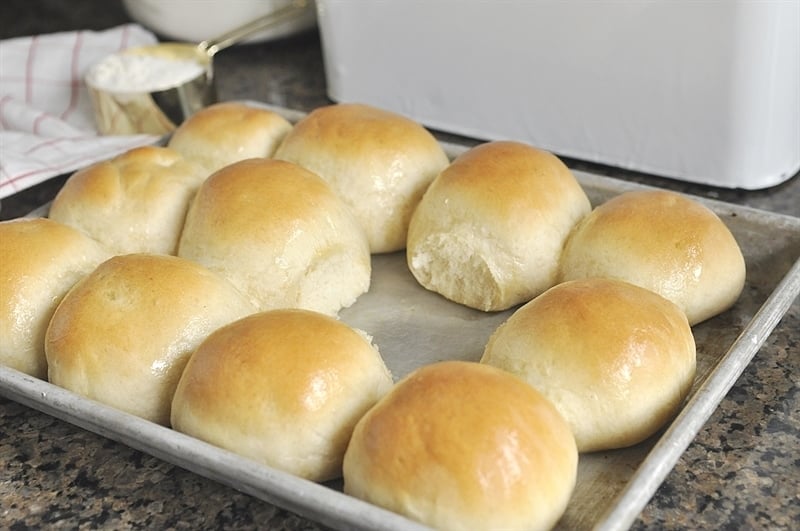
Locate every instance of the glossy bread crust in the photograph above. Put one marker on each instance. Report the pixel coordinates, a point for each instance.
(228, 132)
(616, 360)
(280, 234)
(283, 387)
(663, 241)
(40, 261)
(489, 231)
(378, 161)
(135, 202)
(459, 445)
(124, 333)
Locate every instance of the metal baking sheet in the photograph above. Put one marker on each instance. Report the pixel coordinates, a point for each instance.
(413, 327)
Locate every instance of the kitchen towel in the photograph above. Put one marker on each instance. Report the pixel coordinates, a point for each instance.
(46, 123)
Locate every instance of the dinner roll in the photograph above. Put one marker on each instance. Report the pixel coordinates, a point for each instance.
(489, 231)
(662, 241)
(379, 162)
(133, 203)
(123, 334)
(282, 387)
(615, 359)
(227, 132)
(40, 260)
(461, 446)
(280, 234)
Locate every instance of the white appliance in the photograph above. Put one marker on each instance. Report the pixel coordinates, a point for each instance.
(707, 92)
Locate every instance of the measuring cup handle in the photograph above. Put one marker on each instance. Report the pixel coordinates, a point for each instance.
(288, 12)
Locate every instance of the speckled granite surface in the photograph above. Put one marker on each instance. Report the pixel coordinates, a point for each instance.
(741, 472)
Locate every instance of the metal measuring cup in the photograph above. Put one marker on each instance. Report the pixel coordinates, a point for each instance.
(160, 111)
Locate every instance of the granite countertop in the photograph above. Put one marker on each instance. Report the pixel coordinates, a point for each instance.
(741, 472)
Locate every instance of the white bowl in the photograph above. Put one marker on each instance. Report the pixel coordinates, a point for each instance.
(199, 20)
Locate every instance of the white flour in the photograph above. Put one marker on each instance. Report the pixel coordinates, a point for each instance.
(123, 72)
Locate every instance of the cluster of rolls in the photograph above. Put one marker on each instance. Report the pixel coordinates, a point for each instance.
(603, 299)
(197, 285)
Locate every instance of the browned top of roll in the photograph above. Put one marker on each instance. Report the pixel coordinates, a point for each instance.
(283, 387)
(663, 241)
(489, 230)
(378, 161)
(617, 360)
(40, 260)
(511, 183)
(356, 132)
(459, 445)
(280, 234)
(132, 203)
(227, 132)
(123, 334)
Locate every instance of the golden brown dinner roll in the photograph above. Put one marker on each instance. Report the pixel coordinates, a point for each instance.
(40, 260)
(283, 387)
(133, 203)
(280, 234)
(616, 360)
(489, 231)
(123, 334)
(662, 241)
(462, 446)
(228, 132)
(379, 162)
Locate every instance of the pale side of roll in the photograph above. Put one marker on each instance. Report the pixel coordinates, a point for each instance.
(40, 260)
(280, 234)
(378, 161)
(616, 360)
(123, 334)
(227, 132)
(462, 446)
(135, 202)
(489, 231)
(284, 388)
(665, 242)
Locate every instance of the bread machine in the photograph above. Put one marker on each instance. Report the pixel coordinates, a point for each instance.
(707, 92)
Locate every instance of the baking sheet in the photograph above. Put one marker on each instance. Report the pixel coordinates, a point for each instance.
(412, 327)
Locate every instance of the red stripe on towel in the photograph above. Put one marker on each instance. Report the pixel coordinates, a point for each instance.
(75, 77)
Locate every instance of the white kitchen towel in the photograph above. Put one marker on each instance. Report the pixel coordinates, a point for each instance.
(46, 123)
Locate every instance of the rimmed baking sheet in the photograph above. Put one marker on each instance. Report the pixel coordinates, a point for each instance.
(413, 327)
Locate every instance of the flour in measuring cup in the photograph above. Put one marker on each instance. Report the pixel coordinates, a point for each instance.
(123, 72)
